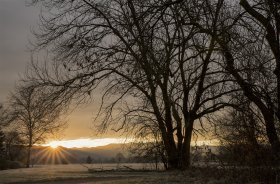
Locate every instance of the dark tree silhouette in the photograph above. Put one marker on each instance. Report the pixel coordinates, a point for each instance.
(155, 69)
(89, 160)
(269, 20)
(249, 36)
(36, 115)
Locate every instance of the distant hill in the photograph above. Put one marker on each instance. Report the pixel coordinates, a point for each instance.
(100, 154)
(104, 151)
(77, 155)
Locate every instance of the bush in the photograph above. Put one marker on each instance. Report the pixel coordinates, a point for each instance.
(14, 164)
(3, 164)
(246, 155)
(7, 164)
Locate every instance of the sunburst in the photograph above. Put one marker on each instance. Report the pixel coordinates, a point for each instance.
(53, 145)
(53, 154)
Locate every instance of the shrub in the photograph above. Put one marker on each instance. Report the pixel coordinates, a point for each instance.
(7, 164)
(246, 155)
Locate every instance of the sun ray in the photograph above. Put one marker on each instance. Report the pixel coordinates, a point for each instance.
(69, 155)
(40, 152)
(53, 157)
(48, 161)
(49, 155)
(63, 158)
(56, 151)
(42, 155)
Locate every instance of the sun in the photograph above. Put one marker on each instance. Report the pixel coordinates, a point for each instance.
(53, 153)
(53, 145)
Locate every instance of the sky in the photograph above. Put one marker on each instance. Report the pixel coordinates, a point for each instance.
(16, 22)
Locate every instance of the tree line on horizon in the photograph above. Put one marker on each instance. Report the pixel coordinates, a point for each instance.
(168, 71)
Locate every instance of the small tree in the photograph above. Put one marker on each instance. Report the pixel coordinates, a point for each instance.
(36, 115)
(119, 159)
(242, 135)
(89, 160)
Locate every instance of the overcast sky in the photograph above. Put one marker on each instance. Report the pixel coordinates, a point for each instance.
(16, 21)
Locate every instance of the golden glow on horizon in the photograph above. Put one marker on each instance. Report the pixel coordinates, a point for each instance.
(50, 155)
(53, 145)
(80, 143)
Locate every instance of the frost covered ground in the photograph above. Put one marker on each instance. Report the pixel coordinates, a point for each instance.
(75, 173)
(78, 174)
(56, 172)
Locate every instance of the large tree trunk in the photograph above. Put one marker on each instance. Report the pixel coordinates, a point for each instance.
(277, 73)
(179, 158)
(29, 149)
(173, 161)
(186, 151)
(272, 134)
(172, 154)
(28, 156)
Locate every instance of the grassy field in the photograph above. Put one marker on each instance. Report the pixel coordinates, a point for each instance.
(78, 174)
(75, 173)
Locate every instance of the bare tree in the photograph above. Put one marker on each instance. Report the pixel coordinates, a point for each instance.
(89, 160)
(149, 62)
(242, 136)
(263, 95)
(36, 115)
(243, 39)
(266, 16)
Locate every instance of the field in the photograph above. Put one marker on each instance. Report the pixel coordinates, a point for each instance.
(78, 174)
(75, 173)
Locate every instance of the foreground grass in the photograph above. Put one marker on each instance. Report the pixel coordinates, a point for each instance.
(65, 174)
(156, 178)
(106, 177)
